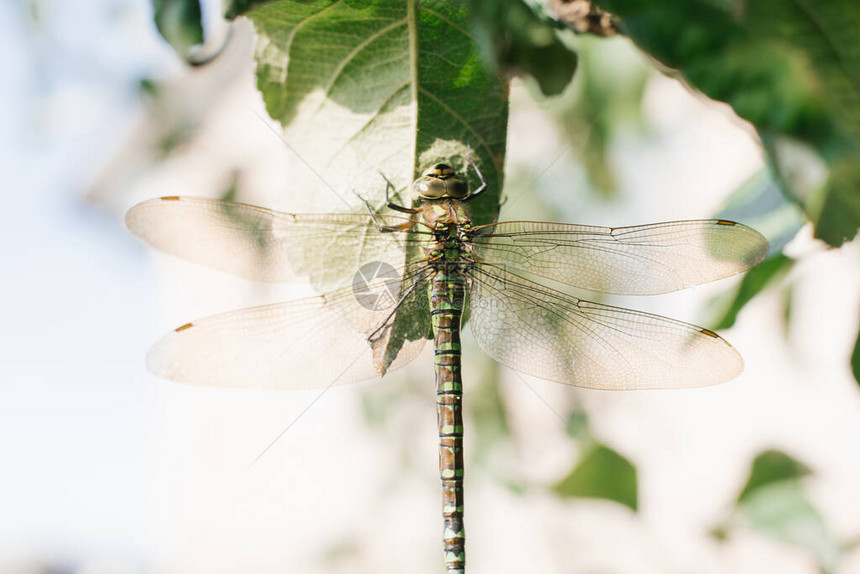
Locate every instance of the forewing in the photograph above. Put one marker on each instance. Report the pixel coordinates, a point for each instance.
(640, 260)
(541, 332)
(266, 245)
(309, 343)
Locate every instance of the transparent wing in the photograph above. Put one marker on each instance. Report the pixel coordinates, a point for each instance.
(309, 343)
(541, 332)
(640, 260)
(266, 245)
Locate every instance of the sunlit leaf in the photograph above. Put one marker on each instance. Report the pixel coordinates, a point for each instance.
(387, 86)
(601, 473)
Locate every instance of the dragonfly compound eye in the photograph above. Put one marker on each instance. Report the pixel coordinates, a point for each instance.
(457, 188)
(440, 181)
(429, 187)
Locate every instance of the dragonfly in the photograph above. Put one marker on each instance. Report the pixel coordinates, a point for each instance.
(420, 273)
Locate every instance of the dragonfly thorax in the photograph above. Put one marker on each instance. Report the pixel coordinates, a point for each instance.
(445, 214)
(440, 181)
(450, 249)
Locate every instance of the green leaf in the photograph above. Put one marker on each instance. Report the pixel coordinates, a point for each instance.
(514, 38)
(380, 85)
(855, 359)
(368, 86)
(792, 70)
(179, 22)
(759, 203)
(781, 510)
(769, 467)
(753, 282)
(840, 214)
(601, 473)
(774, 503)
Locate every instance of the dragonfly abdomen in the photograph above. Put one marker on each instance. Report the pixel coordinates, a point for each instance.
(446, 303)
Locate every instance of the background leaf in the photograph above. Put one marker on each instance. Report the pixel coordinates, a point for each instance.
(782, 511)
(771, 466)
(179, 22)
(516, 39)
(855, 359)
(601, 473)
(791, 69)
(774, 503)
(754, 281)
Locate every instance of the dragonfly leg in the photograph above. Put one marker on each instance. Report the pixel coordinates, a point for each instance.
(383, 228)
(483, 187)
(388, 202)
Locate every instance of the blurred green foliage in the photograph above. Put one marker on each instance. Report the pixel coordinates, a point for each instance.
(792, 70)
(179, 22)
(855, 359)
(773, 502)
(601, 473)
(783, 511)
(515, 39)
(605, 97)
(759, 203)
(771, 466)
(754, 282)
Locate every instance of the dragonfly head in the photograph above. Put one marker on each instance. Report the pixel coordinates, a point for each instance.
(438, 182)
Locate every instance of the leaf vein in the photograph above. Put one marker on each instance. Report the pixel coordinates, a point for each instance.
(461, 121)
(357, 50)
(453, 25)
(289, 43)
(370, 120)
